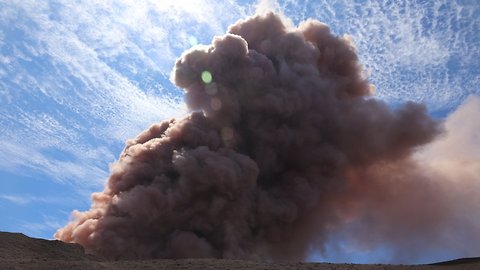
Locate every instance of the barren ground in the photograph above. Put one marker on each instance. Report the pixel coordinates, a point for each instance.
(18, 251)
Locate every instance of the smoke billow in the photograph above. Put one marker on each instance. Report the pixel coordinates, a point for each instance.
(283, 148)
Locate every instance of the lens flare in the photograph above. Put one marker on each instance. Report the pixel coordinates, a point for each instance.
(207, 77)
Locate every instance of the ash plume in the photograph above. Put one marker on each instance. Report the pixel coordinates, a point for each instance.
(284, 146)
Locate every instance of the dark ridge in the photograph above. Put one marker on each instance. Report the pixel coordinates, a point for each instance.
(14, 244)
(459, 261)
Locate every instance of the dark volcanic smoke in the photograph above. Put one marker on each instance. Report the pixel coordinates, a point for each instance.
(283, 148)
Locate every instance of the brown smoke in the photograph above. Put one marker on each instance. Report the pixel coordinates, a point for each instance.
(283, 148)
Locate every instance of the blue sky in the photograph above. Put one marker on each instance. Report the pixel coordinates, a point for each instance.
(78, 78)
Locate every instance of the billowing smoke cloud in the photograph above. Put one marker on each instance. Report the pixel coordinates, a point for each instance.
(284, 148)
(426, 207)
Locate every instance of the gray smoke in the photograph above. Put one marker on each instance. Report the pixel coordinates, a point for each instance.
(283, 147)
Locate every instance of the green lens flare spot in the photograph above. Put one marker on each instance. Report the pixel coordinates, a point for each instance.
(207, 77)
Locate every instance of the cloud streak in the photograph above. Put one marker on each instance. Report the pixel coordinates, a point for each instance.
(423, 52)
(22, 199)
(69, 83)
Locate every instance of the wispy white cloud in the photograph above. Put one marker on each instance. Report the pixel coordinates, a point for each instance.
(421, 51)
(22, 199)
(265, 6)
(24, 159)
(43, 228)
(15, 199)
(81, 78)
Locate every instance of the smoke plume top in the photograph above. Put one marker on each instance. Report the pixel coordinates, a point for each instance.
(284, 146)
